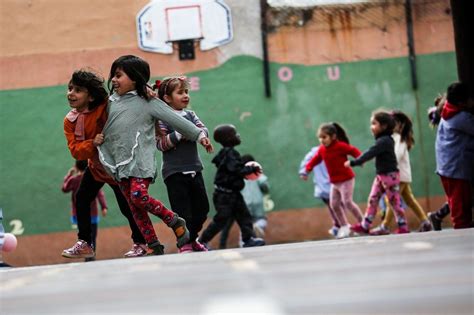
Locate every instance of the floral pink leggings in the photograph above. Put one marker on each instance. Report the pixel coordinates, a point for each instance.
(135, 191)
(390, 184)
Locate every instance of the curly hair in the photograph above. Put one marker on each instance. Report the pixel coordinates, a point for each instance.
(93, 83)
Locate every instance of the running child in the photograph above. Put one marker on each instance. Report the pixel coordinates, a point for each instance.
(322, 186)
(182, 167)
(128, 148)
(387, 179)
(228, 183)
(333, 151)
(404, 141)
(82, 127)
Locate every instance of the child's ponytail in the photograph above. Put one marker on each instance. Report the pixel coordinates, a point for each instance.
(341, 133)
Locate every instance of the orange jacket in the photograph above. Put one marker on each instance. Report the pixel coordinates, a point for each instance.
(94, 122)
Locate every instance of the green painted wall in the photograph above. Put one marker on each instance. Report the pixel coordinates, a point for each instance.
(277, 131)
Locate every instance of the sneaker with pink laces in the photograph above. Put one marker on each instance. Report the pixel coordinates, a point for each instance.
(402, 230)
(138, 250)
(358, 228)
(198, 247)
(186, 248)
(80, 250)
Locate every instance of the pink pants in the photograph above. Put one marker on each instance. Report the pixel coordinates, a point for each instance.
(135, 191)
(341, 200)
(390, 184)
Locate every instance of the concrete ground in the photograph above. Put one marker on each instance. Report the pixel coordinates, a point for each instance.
(416, 273)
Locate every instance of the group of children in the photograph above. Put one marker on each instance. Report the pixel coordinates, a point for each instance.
(119, 136)
(393, 135)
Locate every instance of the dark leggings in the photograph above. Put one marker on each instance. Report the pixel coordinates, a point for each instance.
(188, 198)
(229, 205)
(86, 193)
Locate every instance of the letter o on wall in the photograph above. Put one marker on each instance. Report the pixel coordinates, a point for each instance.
(285, 74)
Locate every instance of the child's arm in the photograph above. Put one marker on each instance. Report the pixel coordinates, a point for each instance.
(315, 160)
(302, 170)
(372, 152)
(161, 111)
(206, 142)
(80, 149)
(71, 182)
(166, 140)
(102, 202)
(263, 184)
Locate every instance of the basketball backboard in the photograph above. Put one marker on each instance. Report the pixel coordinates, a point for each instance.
(162, 22)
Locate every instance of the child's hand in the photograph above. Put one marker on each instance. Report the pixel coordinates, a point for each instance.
(150, 92)
(98, 140)
(72, 171)
(347, 163)
(104, 212)
(206, 143)
(304, 176)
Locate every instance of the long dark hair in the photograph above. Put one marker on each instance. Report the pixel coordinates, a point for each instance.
(406, 132)
(385, 119)
(137, 69)
(94, 85)
(334, 128)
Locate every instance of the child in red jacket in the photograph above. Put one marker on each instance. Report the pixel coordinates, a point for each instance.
(333, 151)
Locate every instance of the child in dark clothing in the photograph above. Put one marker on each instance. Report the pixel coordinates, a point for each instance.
(228, 183)
(387, 179)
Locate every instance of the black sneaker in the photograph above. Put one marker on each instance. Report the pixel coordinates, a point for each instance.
(435, 222)
(156, 249)
(254, 241)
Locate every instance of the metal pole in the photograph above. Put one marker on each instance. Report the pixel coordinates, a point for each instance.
(414, 85)
(266, 63)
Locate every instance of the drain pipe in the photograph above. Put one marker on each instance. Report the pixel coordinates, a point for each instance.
(266, 63)
(414, 85)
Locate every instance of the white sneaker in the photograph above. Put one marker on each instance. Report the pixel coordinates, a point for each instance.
(344, 231)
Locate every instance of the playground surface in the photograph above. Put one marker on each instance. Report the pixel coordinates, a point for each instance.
(416, 273)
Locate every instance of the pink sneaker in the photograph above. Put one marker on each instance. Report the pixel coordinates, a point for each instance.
(80, 250)
(402, 230)
(138, 250)
(358, 228)
(186, 248)
(198, 247)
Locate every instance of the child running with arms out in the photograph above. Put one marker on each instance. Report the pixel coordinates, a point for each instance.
(387, 179)
(333, 151)
(182, 166)
(404, 141)
(129, 144)
(228, 183)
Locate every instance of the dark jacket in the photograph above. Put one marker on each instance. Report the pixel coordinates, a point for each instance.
(230, 169)
(384, 152)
